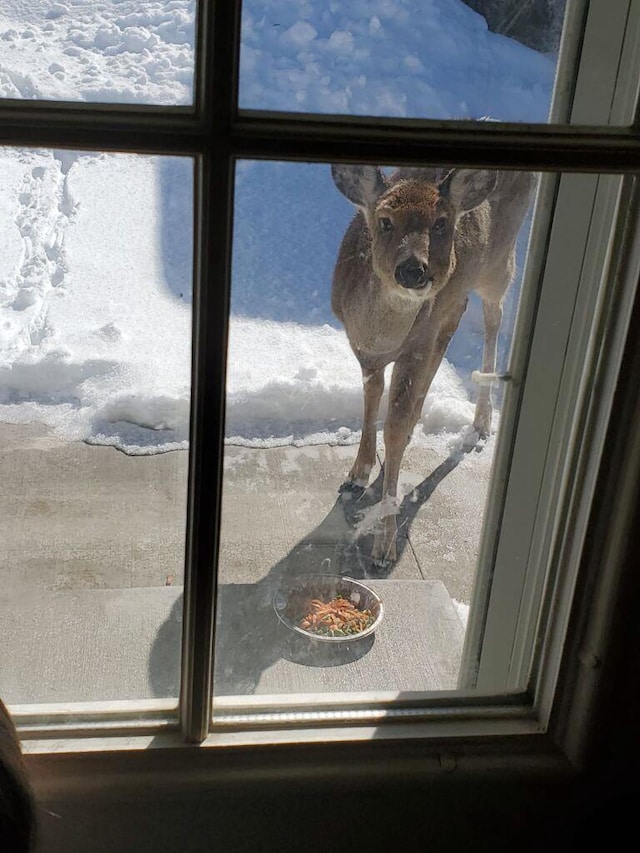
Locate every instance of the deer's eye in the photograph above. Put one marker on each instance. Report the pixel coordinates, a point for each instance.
(385, 224)
(440, 225)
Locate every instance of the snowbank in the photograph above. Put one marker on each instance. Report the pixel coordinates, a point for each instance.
(95, 250)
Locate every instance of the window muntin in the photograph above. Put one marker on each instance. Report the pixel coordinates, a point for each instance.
(95, 400)
(361, 59)
(116, 52)
(599, 149)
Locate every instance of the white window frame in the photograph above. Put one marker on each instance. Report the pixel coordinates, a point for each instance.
(80, 749)
(558, 344)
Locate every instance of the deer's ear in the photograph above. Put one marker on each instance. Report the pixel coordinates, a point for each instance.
(468, 188)
(362, 185)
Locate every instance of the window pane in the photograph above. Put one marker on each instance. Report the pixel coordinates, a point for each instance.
(116, 51)
(294, 419)
(440, 59)
(95, 307)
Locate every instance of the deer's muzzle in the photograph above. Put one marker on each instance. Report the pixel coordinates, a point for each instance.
(413, 274)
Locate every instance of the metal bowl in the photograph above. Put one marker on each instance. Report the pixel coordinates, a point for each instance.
(326, 587)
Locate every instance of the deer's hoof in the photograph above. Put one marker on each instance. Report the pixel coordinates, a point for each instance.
(352, 487)
(474, 439)
(380, 568)
(470, 439)
(482, 427)
(384, 546)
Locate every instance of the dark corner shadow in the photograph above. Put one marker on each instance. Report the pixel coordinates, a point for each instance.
(176, 225)
(249, 636)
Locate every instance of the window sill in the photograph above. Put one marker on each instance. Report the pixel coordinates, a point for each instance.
(153, 764)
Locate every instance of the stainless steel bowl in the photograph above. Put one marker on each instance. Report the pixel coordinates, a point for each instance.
(326, 587)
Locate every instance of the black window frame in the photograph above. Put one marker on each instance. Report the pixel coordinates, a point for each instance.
(216, 134)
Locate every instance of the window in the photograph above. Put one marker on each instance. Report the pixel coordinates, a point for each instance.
(571, 331)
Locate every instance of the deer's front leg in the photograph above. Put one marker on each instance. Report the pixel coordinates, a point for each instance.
(373, 386)
(405, 389)
(412, 376)
(492, 319)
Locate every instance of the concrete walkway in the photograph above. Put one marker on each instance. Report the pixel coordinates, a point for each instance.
(76, 516)
(77, 519)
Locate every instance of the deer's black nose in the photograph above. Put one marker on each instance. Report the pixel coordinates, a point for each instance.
(412, 273)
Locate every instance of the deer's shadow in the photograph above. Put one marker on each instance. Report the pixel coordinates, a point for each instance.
(356, 504)
(249, 637)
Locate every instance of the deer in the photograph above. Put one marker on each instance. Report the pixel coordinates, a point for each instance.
(421, 240)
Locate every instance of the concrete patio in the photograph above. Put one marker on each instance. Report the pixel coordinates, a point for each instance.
(92, 568)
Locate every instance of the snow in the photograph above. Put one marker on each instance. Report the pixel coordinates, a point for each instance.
(122, 51)
(303, 385)
(95, 249)
(433, 58)
(462, 610)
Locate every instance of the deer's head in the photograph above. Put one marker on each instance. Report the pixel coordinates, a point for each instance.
(412, 222)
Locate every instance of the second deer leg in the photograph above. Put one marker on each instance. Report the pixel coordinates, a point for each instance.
(409, 386)
(492, 319)
(412, 377)
(373, 386)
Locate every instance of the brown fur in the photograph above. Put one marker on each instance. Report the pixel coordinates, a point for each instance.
(420, 242)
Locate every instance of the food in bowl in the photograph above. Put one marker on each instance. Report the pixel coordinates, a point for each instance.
(336, 618)
(328, 608)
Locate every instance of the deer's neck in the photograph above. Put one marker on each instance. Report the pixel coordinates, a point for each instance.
(379, 319)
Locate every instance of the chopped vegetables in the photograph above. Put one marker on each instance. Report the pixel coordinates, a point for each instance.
(336, 618)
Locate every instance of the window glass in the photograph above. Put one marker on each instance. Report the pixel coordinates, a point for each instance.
(116, 51)
(292, 509)
(441, 59)
(95, 337)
